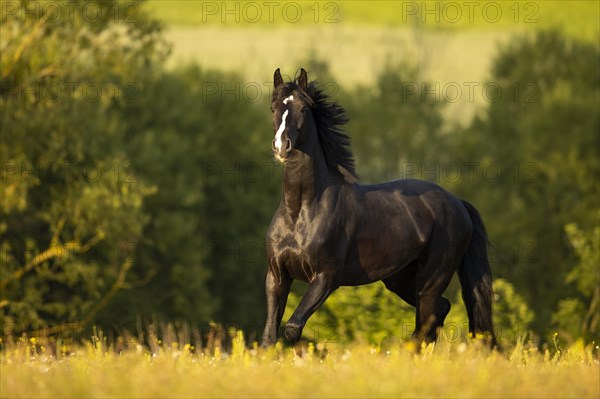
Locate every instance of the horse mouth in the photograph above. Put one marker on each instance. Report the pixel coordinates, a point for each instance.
(279, 158)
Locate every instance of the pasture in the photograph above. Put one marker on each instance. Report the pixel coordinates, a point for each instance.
(173, 368)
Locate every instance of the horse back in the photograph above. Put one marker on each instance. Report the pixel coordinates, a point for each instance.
(393, 224)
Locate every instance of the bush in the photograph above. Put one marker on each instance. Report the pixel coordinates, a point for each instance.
(579, 316)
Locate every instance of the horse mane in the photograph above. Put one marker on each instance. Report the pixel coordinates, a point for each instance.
(329, 118)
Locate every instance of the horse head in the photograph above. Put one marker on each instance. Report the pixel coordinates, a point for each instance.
(292, 117)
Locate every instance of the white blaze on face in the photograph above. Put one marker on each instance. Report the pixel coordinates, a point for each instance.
(290, 98)
(279, 133)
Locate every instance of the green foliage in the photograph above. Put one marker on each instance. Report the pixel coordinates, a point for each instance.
(394, 126)
(207, 151)
(370, 314)
(512, 316)
(587, 247)
(579, 316)
(70, 222)
(375, 315)
(542, 135)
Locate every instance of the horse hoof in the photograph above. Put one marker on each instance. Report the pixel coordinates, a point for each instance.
(293, 332)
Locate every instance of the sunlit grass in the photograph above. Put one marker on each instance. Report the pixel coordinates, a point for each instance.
(30, 368)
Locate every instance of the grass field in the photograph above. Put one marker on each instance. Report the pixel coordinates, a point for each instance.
(171, 369)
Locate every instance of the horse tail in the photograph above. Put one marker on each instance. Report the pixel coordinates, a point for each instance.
(475, 277)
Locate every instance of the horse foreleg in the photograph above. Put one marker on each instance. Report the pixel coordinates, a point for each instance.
(318, 291)
(277, 290)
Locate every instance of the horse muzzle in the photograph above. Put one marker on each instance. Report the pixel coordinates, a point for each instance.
(282, 151)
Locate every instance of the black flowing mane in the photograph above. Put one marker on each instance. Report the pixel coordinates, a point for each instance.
(329, 118)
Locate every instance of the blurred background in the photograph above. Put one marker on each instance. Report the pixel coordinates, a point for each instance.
(138, 181)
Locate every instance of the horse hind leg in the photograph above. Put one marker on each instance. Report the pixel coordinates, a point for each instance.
(431, 314)
(433, 278)
(442, 308)
(403, 285)
(432, 308)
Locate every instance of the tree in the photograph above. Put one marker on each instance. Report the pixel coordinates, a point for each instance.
(541, 138)
(205, 146)
(395, 127)
(71, 212)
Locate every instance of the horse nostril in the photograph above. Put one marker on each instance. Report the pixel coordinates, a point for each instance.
(288, 145)
(273, 145)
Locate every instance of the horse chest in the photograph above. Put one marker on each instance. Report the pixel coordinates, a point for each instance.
(300, 250)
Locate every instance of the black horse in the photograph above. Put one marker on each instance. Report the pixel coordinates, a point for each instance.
(330, 231)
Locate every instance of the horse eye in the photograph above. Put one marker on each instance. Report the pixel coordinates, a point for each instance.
(304, 109)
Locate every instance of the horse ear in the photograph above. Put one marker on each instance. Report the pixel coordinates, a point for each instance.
(302, 79)
(277, 80)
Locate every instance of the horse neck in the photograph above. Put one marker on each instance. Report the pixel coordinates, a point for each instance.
(305, 178)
